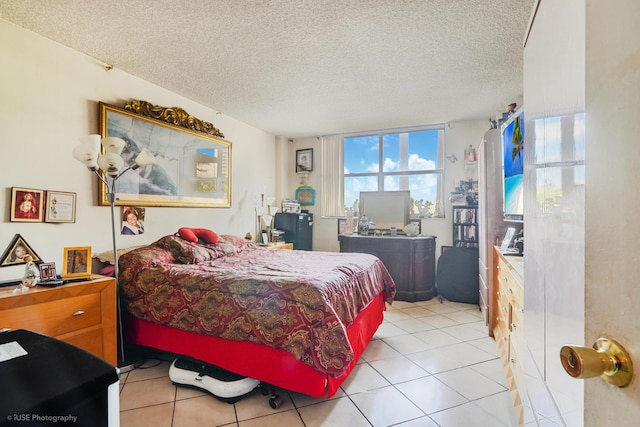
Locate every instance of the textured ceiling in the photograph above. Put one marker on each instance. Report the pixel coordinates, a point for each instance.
(306, 67)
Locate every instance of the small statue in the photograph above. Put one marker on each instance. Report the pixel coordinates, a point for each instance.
(31, 275)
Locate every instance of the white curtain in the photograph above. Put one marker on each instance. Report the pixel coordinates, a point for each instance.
(332, 195)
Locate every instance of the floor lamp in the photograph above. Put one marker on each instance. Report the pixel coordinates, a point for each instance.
(109, 167)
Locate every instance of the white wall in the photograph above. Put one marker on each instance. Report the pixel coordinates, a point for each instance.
(458, 136)
(50, 97)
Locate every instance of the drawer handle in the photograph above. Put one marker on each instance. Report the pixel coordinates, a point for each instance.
(505, 278)
(513, 361)
(513, 325)
(522, 310)
(510, 290)
(79, 313)
(504, 309)
(4, 330)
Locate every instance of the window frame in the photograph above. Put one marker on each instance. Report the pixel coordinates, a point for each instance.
(381, 173)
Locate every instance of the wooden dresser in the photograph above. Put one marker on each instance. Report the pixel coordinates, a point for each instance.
(508, 322)
(411, 261)
(80, 313)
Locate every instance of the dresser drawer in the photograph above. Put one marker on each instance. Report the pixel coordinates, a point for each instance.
(55, 317)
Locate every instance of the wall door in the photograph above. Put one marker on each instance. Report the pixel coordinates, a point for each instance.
(581, 98)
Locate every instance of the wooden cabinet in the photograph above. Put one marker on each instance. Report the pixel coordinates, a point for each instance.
(411, 261)
(508, 323)
(80, 313)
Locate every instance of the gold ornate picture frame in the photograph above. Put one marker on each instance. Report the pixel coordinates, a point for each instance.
(193, 160)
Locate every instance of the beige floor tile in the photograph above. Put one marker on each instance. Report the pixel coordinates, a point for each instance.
(418, 312)
(499, 405)
(414, 325)
(379, 349)
(431, 395)
(407, 344)
(334, 413)
(363, 378)
(256, 405)
(148, 370)
(387, 330)
(436, 338)
(156, 416)
(288, 418)
(463, 332)
(386, 406)
(203, 411)
(463, 317)
(398, 369)
(425, 421)
(469, 383)
(139, 394)
(467, 415)
(493, 370)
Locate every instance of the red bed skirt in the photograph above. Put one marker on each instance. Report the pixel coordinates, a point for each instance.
(272, 366)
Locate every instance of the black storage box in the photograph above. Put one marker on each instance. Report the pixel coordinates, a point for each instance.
(55, 383)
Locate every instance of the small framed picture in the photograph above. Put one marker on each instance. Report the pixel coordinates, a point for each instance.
(26, 205)
(342, 226)
(265, 238)
(60, 207)
(304, 160)
(17, 250)
(48, 271)
(76, 262)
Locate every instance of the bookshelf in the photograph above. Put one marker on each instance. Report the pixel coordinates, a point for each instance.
(465, 226)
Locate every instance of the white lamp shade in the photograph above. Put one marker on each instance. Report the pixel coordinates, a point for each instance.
(145, 158)
(110, 163)
(113, 145)
(93, 140)
(87, 154)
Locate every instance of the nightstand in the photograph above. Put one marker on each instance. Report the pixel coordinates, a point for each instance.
(79, 313)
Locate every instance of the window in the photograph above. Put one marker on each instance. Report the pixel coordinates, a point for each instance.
(411, 160)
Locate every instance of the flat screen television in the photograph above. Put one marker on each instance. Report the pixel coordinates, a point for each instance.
(513, 167)
(386, 208)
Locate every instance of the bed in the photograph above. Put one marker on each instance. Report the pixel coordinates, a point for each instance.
(297, 320)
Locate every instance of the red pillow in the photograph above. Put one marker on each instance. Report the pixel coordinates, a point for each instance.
(193, 234)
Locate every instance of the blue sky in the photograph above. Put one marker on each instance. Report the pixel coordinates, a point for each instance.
(361, 155)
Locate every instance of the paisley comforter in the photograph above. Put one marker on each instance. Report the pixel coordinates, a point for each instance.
(298, 301)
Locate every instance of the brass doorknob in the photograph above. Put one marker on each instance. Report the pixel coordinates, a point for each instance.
(607, 359)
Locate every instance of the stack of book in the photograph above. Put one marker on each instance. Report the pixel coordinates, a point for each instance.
(277, 236)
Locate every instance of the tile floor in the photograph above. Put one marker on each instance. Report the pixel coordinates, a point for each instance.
(430, 364)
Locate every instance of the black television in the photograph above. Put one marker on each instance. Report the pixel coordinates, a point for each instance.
(513, 167)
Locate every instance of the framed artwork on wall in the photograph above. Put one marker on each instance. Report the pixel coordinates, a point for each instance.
(26, 205)
(304, 160)
(60, 207)
(193, 166)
